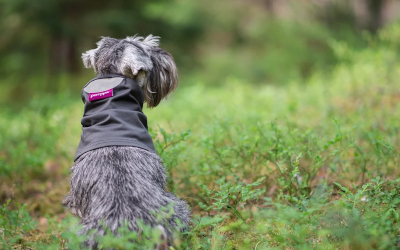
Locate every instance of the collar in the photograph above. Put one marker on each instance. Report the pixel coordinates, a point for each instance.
(107, 76)
(104, 76)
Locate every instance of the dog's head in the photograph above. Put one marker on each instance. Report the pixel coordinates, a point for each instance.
(137, 58)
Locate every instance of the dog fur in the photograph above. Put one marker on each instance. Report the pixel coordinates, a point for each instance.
(115, 184)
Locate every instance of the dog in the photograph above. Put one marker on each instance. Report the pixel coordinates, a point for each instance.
(117, 176)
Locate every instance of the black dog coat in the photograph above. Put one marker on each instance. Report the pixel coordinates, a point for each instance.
(113, 115)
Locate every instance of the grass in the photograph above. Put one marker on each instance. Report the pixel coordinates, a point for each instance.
(300, 166)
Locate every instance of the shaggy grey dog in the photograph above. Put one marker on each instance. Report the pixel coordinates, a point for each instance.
(123, 180)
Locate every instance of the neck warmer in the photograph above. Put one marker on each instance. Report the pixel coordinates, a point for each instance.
(113, 115)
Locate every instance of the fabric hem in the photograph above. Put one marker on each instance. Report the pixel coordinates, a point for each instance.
(109, 143)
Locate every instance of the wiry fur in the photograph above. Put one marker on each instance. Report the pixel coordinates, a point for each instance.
(112, 185)
(137, 58)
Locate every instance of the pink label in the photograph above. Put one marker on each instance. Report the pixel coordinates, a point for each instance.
(100, 95)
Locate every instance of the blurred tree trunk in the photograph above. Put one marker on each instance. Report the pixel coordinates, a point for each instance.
(63, 57)
(375, 14)
(269, 5)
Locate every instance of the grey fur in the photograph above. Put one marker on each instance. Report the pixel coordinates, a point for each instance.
(112, 185)
(137, 58)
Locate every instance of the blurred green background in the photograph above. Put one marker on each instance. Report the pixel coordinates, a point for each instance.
(256, 41)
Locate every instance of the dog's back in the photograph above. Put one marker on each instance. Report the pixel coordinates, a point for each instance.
(113, 185)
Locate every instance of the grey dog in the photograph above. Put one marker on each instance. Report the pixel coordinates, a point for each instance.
(117, 177)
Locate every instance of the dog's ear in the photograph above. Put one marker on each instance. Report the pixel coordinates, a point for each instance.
(163, 78)
(136, 55)
(88, 58)
(134, 60)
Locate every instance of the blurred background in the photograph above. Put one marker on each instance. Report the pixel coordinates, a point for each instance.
(253, 41)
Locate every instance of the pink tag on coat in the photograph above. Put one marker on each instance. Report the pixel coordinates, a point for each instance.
(100, 95)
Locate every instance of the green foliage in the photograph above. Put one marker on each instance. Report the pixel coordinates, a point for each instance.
(28, 138)
(305, 166)
(364, 220)
(169, 146)
(14, 224)
(230, 196)
(211, 41)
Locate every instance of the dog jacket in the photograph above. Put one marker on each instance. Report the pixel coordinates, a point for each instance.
(113, 115)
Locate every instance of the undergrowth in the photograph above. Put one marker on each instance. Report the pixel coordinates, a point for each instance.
(306, 166)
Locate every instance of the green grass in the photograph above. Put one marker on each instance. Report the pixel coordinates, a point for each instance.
(309, 165)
